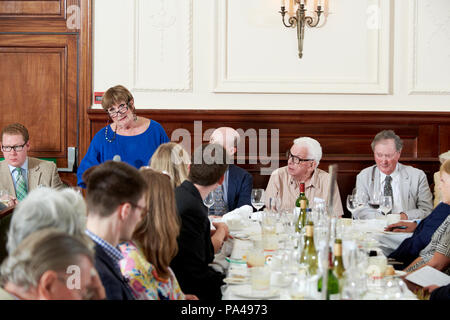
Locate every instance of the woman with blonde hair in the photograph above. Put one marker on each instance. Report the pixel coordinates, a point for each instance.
(174, 159)
(154, 244)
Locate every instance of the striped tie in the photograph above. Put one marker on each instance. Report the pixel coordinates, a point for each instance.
(220, 207)
(21, 186)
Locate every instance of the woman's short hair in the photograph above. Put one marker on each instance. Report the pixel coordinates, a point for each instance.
(116, 95)
(16, 129)
(386, 135)
(172, 158)
(158, 230)
(313, 146)
(110, 184)
(63, 209)
(41, 251)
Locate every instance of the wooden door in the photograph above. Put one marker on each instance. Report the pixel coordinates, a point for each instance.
(45, 78)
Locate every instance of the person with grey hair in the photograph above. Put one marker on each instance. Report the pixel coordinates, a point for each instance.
(50, 265)
(303, 159)
(236, 189)
(408, 186)
(44, 207)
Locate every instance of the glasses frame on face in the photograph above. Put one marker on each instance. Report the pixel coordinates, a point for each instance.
(296, 159)
(121, 109)
(18, 148)
(386, 156)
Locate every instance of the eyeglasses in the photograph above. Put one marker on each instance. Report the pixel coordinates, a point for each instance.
(387, 156)
(296, 159)
(120, 110)
(16, 148)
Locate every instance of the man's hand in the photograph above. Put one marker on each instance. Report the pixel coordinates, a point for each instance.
(190, 297)
(403, 216)
(402, 226)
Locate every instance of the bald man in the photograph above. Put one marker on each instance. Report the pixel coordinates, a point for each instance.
(237, 187)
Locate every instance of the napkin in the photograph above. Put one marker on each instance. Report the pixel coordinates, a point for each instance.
(237, 217)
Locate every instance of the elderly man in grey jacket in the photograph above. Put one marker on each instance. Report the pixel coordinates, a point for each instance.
(408, 186)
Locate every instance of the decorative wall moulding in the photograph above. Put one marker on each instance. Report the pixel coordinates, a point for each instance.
(162, 57)
(429, 46)
(375, 80)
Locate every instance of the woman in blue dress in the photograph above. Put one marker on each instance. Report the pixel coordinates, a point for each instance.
(128, 138)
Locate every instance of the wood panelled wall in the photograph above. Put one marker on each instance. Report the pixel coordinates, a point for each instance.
(46, 73)
(345, 136)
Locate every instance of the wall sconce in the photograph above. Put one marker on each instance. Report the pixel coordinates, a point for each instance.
(299, 19)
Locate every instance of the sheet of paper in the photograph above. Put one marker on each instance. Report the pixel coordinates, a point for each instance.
(428, 276)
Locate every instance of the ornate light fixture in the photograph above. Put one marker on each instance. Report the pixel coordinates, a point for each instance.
(299, 18)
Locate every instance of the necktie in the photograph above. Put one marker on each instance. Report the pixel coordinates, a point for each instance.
(219, 207)
(388, 190)
(21, 186)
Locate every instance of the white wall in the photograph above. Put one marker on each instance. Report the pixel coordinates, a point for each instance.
(235, 54)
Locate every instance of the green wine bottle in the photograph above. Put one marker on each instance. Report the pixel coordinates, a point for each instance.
(333, 288)
(300, 208)
(338, 264)
(309, 253)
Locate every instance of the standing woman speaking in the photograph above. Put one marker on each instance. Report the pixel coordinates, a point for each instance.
(128, 138)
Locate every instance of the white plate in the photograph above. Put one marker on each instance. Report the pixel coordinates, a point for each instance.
(239, 235)
(235, 280)
(398, 273)
(245, 291)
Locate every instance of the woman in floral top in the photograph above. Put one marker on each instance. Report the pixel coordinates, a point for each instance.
(147, 257)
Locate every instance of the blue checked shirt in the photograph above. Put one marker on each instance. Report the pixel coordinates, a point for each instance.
(111, 251)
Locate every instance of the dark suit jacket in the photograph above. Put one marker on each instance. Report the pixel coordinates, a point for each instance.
(410, 248)
(441, 293)
(116, 286)
(240, 184)
(195, 249)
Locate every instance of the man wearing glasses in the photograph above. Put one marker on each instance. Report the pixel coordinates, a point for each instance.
(303, 159)
(408, 186)
(19, 174)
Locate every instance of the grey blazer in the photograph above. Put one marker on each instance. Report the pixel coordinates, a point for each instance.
(40, 173)
(417, 200)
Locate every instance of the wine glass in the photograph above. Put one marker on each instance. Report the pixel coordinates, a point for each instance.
(274, 204)
(257, 198)
(352, 205)
(4, 197)
(385, 204)
(209, 200)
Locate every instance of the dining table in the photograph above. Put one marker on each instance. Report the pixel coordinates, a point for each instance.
(366, 237)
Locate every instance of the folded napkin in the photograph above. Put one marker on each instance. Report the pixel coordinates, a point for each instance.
(237, 217)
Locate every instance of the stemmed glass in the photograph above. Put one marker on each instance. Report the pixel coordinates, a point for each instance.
(257, 198)
(4, 197)
(209, 200)
(385, 204)
(352, 205)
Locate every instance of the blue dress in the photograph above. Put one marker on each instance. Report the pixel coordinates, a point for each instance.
(134, 150)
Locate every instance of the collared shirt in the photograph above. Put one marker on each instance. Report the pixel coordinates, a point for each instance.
(14, 173)
(225, 187)
(283, 186)
(395, 183)
(111, 251)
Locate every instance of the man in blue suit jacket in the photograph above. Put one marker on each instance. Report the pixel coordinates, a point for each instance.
(237, 187)
(410, 248)
(116, 201)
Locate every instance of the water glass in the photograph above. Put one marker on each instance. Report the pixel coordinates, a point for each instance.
(260, 280)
